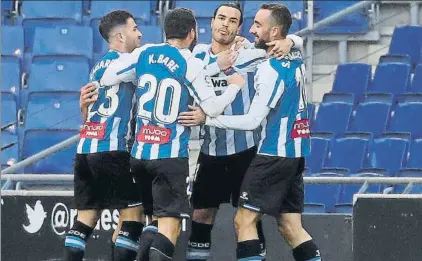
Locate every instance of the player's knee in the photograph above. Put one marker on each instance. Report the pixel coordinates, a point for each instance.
(131, 214)
(289, 229)
(88, 217)
(204, 216)
(245, 218)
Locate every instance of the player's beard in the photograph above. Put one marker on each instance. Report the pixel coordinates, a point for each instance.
(261, 43)
(228, 41)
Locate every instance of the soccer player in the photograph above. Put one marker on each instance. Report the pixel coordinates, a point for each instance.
(225, 154)
(168, 75)
(102, 177)
(273, 183)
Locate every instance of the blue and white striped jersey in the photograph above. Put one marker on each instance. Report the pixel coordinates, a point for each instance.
(285, 131)
(223, 142)
(279, 107)
(168, 80)
(108, 124)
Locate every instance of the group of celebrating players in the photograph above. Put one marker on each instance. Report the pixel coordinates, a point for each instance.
(138, 110)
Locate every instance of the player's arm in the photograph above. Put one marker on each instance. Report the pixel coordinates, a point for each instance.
(89, 95)
(269, 88)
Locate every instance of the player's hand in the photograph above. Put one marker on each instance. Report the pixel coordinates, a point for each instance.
(281, 48)
(239, 42)
(89, 94)
(226, 59)
(236, 79)
(194, 117)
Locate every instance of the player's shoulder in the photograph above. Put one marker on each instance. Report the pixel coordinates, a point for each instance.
(201, 50)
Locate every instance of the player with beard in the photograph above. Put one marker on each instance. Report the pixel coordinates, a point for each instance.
(102, 167)
(225, 154)
(273, 183)
(168, 76)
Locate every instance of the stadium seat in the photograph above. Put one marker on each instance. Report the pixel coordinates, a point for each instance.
(53, 110)
(414, 157)
(416, 86)
(405, 115)
(52, 10)
(353, 78)
(411, 173)
(348, 190)
(10, 67)
(395, 58)
(151, 34)
(355, 23)
(343, 209)
(371, 117)
(7, 6)
(407, 40)
(12, 41)
(250, 8)
(319, 151)
(37, 140)
(9, 113)
(391, 78)
(10, 149)
(323, 194)
(387, 152)
(346, 153)
(139, 9)
(58, 74)
(314, 209)
(63, 40)
(333, 117)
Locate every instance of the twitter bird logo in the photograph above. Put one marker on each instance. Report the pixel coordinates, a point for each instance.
(36, 217)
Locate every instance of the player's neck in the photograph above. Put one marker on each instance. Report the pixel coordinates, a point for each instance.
(181, 44)
(217, 48)
(118, 48)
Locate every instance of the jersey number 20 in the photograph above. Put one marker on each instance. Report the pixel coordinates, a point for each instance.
(166, 94)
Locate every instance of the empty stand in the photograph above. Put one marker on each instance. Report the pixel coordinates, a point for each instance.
(353, 78)
(407, 40)
(411, 173)
(391, 78)
(8, 112)
(10, 149)
(63, 40)
(333, 116)
(406, 116)
(53, 110)
(38, 140)
(11, 75)
(139, 9)
(52, 10)
(414, 159)
(12, 40)
(319, 151)
(58, 74)
(323, 194)
(416, 86)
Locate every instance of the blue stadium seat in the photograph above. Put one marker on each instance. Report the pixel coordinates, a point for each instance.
(387, 152)
(411, 173)
(357, 22)
(9, 113)
(314, 209)
(10, 144)
(52, 10)
(151, 34)
(343, 209)
(395, 58)
(10, 67)
(323, 194)
(12, 40)
(414, 159)
(416, 86)
(139, 9)
(407, 40)
(404, 117)
(63, 40)
(58, 74)
(346, 153)
(348, 190)
(7, 6)
(352, 78)
(53, 110)
(37, 140)
(319, 151)
(391, 78)
(371, 117)
(250, 8)
(30, 26)
(333, 117)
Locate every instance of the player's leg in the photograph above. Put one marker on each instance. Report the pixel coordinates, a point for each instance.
(88, 210)
(262, 191)
(238, 165)
(290, 220)
(170, 204)
(210, 189)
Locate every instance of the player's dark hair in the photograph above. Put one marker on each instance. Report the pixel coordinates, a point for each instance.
(281, 16)
(178, 23)
(232, 5)
(112, 20)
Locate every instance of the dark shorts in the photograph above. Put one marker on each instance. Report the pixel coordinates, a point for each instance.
(273, 185)
(218, 178)
(103, 180)
(163, 185)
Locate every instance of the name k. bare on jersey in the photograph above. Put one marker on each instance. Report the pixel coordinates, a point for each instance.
(108, 124)
(223, 142)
